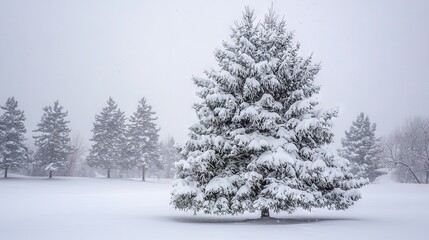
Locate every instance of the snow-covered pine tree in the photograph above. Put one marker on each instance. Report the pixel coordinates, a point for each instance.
(109, 148)
(142, 138)
(53, 141)
(169, 156)
(362, 148)
(13, 152)
(261, 140)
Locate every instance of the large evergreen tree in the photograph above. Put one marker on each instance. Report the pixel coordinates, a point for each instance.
(53, 141)
(108, 150)
(142, 134)
(362, 148)
(13, 152)
(260, 143)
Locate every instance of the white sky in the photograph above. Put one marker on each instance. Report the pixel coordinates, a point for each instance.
(374, 55)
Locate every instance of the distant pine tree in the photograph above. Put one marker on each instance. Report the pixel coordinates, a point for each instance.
(260, 143)
(13, 152)
(108, 150)
(361, 147)
(169, 156)
(142, 138)
(53, 141)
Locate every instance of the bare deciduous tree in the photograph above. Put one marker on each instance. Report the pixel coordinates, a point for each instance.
(407, 151)
(77, 157)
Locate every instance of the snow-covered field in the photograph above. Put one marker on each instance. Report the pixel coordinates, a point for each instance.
(96, 208)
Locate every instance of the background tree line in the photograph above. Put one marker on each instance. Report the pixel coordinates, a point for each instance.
(132, 148)
(128, 148)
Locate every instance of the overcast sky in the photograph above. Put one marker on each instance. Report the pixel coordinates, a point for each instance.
(374, 55)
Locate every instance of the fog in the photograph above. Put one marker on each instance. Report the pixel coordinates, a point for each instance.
(374, 56)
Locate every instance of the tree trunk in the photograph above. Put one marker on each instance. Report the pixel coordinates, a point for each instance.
(409, 169)
(108, 173)
(265, 213)
(50, 173)
(143, 177)
(5, 172)
(427, 176)
(415, 176)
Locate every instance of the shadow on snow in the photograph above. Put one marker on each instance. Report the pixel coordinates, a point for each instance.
(257, 221)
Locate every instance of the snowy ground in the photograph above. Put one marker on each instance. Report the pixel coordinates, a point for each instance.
(85, 208)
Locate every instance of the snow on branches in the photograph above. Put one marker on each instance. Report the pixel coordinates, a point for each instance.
(260, 143)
